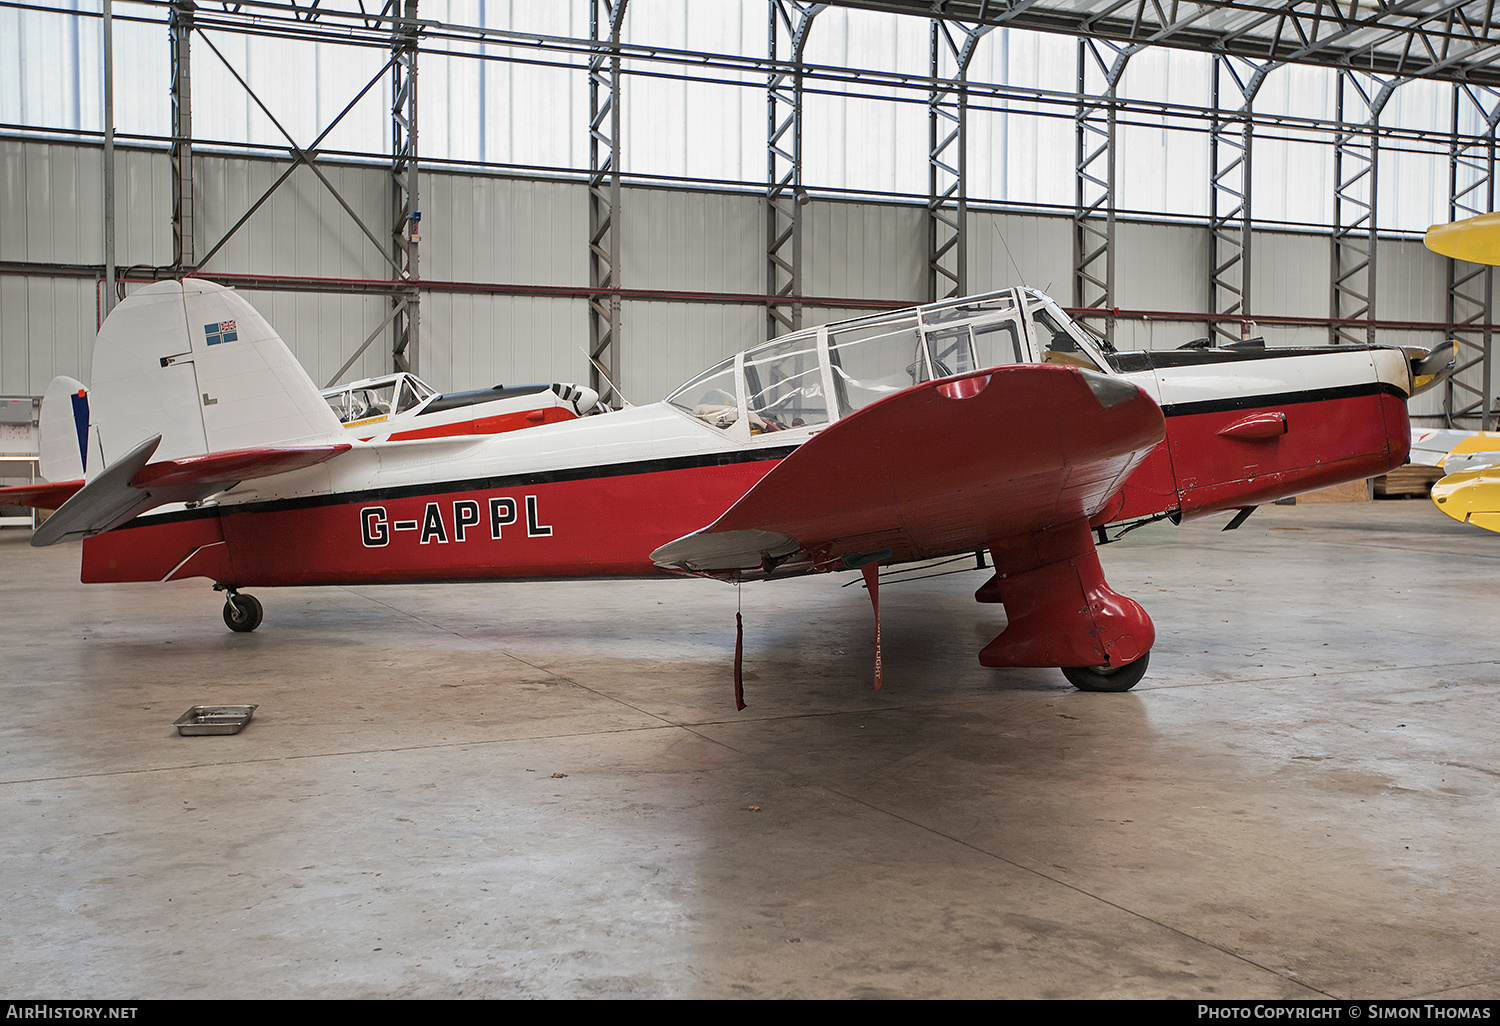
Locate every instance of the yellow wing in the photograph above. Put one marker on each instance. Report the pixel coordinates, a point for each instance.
(1471, 497)
(1476, 239)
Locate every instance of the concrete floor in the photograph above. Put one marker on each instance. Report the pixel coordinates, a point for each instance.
(544, 789)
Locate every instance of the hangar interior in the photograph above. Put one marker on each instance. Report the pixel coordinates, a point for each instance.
(542, 789)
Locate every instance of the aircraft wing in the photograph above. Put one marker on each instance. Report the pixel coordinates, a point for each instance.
(132, 485)
(1471, 497)
(1475, 239)
(946, 466)
(42, 495)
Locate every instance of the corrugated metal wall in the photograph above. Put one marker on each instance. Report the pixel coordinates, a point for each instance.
(517, 231)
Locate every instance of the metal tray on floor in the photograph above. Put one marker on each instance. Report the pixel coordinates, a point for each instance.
(214, 719)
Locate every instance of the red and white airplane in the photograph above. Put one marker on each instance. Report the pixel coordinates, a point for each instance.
(987, 424)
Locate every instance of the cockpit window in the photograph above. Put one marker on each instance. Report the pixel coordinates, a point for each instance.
(367, 402)
(784, 386)
(413, 391)
(871, 361)
(952, 351)
(377, 397)
(998, 343)
(710, 396)
(1056, 344)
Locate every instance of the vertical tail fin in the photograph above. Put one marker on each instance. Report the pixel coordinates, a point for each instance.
(63, 444)
(195, 363)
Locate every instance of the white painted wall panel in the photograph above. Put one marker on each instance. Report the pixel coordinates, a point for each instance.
(1290, 277)
(1411, 281)
(1006, 250)
(506, 230)
(47, 327)
(709, 241)
(143, 207)
(865, 250)
(1160, 268)
(474, 341)
(52, 180)
(302, 229)
(325, 330)
(52, 204)
(14, 242)
(667, 344)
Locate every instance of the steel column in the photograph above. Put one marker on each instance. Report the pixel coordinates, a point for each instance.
(1468, 393)
(947, 159)
(110, 296)
(1356, 160)
(406, 200)
(604, 198)
(789, 25)
(1100, 65)
(1235, 83)
(180, 29)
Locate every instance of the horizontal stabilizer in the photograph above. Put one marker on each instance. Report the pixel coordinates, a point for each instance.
(132, 485)
(946, 466)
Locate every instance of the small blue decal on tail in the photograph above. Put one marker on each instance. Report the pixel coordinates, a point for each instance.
(224, 331)
(81, 425)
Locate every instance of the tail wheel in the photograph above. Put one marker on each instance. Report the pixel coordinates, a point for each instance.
(1107, 678)
(242, 613)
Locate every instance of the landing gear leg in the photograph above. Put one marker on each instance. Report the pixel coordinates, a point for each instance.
(1062, 612)
(242, 613)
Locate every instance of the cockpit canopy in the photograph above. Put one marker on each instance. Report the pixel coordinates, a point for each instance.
(379, 397)
(786, 384)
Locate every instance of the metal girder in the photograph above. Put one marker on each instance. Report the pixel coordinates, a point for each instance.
(180, 30)
(1356, 163)
(406, 200)
(790, 23)
(110, 295)
(300, 155)
(1100, 65)
(604, 197)
(1468, 392)
(1449, 40)
(1235, 83)
(1454, 40)
(947, 158)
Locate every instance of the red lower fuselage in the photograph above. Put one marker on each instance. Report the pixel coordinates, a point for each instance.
(604, 520)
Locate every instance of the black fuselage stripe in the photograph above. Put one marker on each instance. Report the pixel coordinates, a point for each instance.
(713, 459)
(657, 466)
(1310, 395)
(1173, 359)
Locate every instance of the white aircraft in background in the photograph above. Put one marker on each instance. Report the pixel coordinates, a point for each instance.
(402, 407)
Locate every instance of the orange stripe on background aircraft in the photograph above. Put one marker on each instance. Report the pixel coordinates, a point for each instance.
(401, 407)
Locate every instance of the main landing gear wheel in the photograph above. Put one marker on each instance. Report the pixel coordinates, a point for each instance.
(1107, 678)
(242, 613)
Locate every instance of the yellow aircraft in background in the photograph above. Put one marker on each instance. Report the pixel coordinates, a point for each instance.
(1470, 493)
